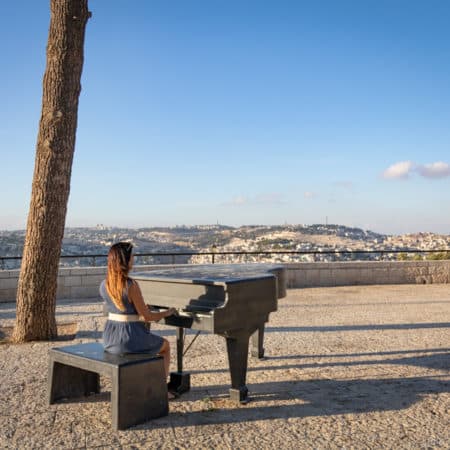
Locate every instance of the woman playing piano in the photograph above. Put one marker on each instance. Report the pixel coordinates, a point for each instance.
(125, 330)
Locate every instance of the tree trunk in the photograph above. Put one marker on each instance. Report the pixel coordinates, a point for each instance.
(36, 293)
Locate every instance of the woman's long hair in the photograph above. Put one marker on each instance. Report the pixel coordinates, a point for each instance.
(117, 274)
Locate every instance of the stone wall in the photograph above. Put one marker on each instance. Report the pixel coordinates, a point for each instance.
(78, 283)
(74, 282)
(372, 272)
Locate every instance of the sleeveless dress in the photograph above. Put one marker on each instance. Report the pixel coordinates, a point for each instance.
(127, 337)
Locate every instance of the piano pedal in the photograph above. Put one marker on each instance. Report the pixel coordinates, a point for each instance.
(179, 382)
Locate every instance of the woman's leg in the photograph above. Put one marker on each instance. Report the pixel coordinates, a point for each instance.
(165, 353)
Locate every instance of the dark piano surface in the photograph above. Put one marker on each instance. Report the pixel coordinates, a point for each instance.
(232, 300)
(218, 273)
(218, 298)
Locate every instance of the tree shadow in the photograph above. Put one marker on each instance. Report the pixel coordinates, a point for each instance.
(79, 313)
(66, 332)
(7, 314)
(3, 336)
(89, 334)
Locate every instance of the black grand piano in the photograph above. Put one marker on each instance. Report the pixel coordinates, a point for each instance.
(232, 300)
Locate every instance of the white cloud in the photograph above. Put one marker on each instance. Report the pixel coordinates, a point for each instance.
(403, 169)
(434, 170)
(310, 195)
(400, 170)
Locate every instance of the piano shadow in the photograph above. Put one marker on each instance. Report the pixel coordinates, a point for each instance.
(351, 305)
(301, 399)
(439, 360)
(375, 327)
(354, 355)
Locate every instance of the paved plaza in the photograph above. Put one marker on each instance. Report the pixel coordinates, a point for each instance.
(347, 367)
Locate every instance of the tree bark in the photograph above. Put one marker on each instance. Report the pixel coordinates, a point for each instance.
(36, 293)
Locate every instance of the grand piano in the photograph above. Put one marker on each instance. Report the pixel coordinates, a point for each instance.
(231, 300)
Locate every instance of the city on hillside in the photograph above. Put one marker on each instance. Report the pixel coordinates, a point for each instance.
(252, 243)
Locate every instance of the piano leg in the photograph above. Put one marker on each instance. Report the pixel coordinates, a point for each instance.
(257, 341)
(237, 349)
(180, 381)
(180, 348)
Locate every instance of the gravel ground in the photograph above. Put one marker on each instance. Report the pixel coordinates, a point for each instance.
(347, 367)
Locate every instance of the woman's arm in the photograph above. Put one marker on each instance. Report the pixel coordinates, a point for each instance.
(135, 296)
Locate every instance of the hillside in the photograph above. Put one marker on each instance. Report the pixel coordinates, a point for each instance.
(205, 238)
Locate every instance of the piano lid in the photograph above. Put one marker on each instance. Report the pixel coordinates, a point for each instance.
(218, 274)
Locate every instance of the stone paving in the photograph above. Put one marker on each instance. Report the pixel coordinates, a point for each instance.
(347, 367)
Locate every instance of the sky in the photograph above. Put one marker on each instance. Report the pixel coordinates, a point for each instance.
(242, 112)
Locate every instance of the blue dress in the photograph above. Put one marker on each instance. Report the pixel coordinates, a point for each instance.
(127, 337)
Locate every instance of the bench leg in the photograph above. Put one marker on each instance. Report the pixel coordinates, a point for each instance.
(68, 382)
(138, 394)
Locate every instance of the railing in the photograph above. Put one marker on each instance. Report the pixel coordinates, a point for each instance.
(171, 258)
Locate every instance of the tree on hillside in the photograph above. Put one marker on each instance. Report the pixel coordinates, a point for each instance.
(36, 293)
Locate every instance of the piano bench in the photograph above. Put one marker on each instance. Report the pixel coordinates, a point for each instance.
(138, 391)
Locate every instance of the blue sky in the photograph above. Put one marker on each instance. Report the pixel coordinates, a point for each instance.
(242, 112)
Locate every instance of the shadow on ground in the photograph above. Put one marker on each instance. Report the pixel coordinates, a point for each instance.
(300, 399)
(439, 360)
(313, 398)
(337, 328)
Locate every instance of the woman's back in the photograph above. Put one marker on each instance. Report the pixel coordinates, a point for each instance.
(111, 306)
(128, 335)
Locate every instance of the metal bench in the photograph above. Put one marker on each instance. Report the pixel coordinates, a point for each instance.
(139, 389)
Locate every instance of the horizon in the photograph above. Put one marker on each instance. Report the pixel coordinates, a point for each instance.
(102, 227)
(242, 112)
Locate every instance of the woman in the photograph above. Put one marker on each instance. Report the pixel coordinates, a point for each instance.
(125, 330)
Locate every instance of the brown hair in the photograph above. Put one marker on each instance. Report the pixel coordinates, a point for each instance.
(119, 256)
